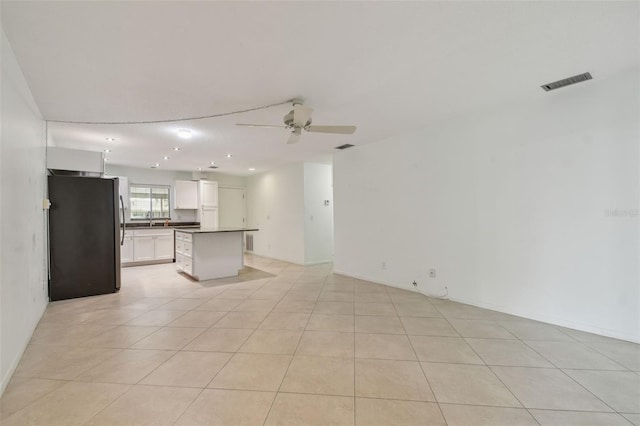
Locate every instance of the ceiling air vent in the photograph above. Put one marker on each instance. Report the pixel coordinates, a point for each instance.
(213, 167)
(566, 82)
(345, 146)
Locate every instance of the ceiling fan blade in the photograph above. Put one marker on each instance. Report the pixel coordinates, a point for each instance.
(345, 130)
(301, 115)
(260, 125)
(295, 136)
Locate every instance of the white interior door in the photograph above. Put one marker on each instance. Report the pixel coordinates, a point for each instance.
(231, 207)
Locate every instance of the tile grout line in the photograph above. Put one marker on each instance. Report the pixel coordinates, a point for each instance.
(309, 279)
(420, 366)
(288, 366)
(161, 364)
(228, 360)
(495, 375)
(571, 378)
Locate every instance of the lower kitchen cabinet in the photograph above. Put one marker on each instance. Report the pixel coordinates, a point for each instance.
(149, 245)
(163, 247)
(126, 249)
(143, 248)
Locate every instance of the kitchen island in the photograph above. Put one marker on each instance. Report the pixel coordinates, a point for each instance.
(210, 253)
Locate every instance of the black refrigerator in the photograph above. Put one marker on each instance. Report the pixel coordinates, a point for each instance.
(84, 236)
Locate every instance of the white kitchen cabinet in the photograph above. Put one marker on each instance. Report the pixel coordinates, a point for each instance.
(126, 249)
(209, 217)
(208, 193)
(152, 245)
(208, 204)
(206, 255)
(186, 194)
(163, 248)
(143, 248)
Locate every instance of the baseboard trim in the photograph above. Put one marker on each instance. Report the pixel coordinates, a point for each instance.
(275, 258)
(318, 262)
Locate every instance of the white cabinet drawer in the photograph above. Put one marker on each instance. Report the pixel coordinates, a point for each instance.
(183, 236)
(188, 266)
(187, 248)
(179, 246)
(179, 262)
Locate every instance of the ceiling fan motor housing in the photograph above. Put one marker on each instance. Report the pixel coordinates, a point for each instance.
(288, 121)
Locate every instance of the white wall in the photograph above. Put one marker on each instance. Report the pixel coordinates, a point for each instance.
(318, 217)
(275, 205)
(509, 205)
(23, 288)
(155, 177)
(222, 179)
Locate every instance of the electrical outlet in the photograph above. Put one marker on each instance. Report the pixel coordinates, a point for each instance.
(432, 273)
(415, 284)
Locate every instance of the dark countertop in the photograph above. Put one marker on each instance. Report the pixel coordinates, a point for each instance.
(159, 224)
(199, 230)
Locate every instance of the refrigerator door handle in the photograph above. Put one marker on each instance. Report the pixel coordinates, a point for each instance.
(123, 228)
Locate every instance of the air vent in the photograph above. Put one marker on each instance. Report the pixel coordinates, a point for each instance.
(345, 146)
(566, 82)
(213, 167)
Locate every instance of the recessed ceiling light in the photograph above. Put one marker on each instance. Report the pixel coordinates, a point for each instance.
(165, 157)
(106, 159)
(175, 148)
(111, 139)
(229, 155)
(251, 169)
(107, 151)
(155, 165)
(184, 133)
(199, 168)
(213, 162)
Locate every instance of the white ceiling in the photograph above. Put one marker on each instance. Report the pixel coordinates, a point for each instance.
(386, 67)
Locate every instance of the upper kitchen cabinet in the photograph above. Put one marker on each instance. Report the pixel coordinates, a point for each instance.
(88, 163)
(208, 204)
(186, 194)
(208, 193)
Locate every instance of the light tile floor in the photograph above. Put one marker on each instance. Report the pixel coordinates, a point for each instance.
(290, 345)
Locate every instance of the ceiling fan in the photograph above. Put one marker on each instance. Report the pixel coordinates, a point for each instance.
(299, 119)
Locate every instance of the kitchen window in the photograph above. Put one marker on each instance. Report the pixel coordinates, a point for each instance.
(149, 201)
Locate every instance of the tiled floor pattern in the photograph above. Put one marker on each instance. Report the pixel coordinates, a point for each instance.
(307, 347)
